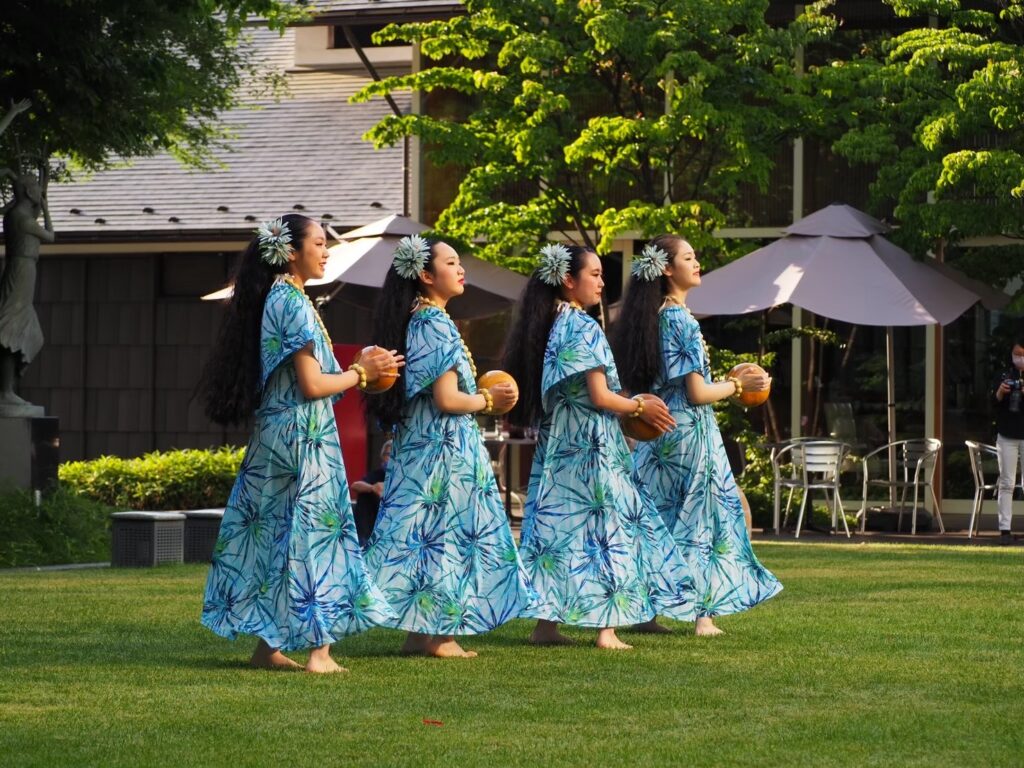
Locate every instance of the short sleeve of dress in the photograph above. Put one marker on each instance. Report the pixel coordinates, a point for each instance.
(288, 326)
(576, 345)
(682, 350)
(432, 347)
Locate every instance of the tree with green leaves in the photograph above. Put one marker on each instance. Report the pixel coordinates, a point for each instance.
(113, 79)
(601, 116)
(84, 83)
(939, 109)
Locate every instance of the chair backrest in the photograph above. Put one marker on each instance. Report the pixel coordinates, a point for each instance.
(790, 453)
(840, 422)
(978, 452)
(824, 457)
(923, 453)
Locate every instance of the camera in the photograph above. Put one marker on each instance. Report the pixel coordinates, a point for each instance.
(1014, 398)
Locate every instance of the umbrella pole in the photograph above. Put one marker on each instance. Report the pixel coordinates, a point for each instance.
(890, 400)
(325, 299)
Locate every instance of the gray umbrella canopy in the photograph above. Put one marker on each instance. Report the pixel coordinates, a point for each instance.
(360, 261)
(836, 263)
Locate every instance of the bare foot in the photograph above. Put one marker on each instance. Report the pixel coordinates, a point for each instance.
(607, 639)
(651, 627)
(546, 633)
(321, 663)
(324, 666)
(706, 628)
(415, 643)
(265, 657)
(447, 648)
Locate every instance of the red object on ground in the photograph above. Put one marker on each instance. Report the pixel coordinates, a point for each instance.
(348, 412)
(432, 722)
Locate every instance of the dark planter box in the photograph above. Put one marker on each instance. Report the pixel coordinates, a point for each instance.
(144, 539)
(202, 526)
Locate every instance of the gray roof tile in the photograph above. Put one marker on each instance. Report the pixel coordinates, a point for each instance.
(307, 149)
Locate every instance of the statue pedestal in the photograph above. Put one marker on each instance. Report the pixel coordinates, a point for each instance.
(29, 449)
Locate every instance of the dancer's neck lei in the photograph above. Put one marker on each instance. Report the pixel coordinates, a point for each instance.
(290, 281)
(424, 301)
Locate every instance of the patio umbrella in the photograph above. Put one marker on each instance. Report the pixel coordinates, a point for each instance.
(360, 261)
(836, 263)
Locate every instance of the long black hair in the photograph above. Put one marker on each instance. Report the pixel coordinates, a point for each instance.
(229, 386)
(636, 337)
(390, 321)
(528, 339)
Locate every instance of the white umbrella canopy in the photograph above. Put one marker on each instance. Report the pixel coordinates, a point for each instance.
(836, 263)
(362, 258)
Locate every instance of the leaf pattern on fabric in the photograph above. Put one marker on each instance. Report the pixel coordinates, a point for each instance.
(442, 549)
(287, 565)
(687, 473)
(593, 543)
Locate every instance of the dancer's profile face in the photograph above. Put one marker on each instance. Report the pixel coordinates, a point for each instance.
(585, 286)
(449, 277)
(684, 269)
(310, 258)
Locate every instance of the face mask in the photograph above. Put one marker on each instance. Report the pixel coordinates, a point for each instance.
(1018, 360)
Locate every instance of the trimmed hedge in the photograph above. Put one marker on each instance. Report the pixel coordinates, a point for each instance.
(65, 528)
(170, 480)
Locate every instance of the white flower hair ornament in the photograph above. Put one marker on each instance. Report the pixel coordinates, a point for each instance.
(554, 264)
(411, 256)
(650, 264)
(275, 242)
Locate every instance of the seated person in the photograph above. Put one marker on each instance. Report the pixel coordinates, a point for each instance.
(369, 491)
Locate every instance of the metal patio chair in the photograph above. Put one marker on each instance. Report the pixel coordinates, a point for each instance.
(912, 468)
(979, 453)
(813, 465)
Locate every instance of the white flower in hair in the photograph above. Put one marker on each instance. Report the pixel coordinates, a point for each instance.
(650, 263)
(554, 263)
(411, 256)
(275, 242)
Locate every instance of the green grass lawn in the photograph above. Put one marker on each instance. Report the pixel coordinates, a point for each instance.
(873, 655)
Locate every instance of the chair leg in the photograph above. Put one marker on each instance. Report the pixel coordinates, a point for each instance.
(864, 504)
(800, 516)
(828, 505)
(775, 510)
(913, 515)
(938, 510)
(974, 513)
(838, 510)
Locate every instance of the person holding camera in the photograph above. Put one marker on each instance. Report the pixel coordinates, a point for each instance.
(1009, 436)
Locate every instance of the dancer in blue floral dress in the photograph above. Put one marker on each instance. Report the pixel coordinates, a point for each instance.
(442, 549)
(686, 470)
(287, 566)
(596, 549)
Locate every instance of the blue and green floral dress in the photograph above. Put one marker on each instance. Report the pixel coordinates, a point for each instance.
(592, 541)
(287, 565)
(687, 473)
(442, 550)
